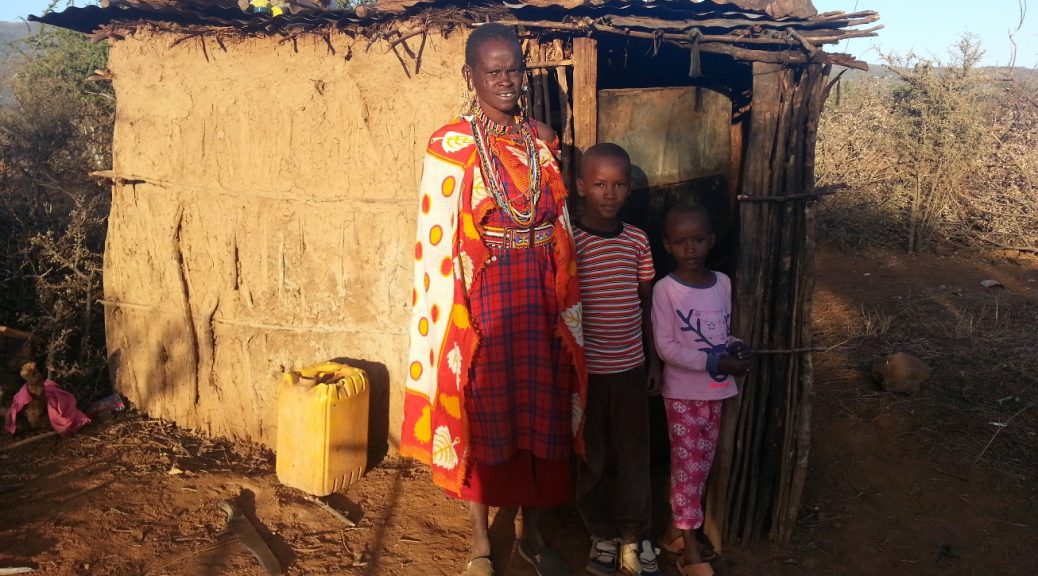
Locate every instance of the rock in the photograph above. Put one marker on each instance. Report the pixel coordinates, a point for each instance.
(901, 373)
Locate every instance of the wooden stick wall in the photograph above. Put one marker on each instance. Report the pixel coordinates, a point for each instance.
(761, 461)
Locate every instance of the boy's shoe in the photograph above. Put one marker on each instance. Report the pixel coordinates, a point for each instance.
(640, 558)
(602, 560)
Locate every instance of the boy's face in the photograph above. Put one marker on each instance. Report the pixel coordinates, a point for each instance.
(604, 184)
(688, 238)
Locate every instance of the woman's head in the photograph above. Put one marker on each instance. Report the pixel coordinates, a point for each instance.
(494, 70)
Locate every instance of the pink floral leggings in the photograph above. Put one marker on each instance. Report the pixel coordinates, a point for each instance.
(694, 426)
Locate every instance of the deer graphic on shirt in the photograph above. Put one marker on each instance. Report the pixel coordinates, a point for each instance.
(713, 326)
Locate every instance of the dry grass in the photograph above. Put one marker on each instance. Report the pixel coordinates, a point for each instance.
(980, 346)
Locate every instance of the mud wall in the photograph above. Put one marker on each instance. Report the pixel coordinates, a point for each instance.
(264, 220)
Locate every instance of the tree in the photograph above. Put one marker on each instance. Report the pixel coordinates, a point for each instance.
(57, 129)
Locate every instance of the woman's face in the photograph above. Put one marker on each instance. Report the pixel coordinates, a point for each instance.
(497, 77)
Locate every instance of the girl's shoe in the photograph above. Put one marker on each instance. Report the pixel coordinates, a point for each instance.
(677, 546)
(695, 569)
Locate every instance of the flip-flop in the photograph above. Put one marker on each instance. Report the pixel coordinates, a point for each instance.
(547, 562)
(695, 569)
(481, 566)
(677, 546)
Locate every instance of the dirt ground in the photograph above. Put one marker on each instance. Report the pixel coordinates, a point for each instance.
(940, 483)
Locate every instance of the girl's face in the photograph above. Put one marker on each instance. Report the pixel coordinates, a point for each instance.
(688, 238)
(497, 76)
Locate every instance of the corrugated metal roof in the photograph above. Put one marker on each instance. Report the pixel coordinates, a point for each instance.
(749, 22)
(774, 8)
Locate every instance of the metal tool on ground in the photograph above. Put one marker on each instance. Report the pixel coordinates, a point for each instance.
(329, 509)
(247, 534)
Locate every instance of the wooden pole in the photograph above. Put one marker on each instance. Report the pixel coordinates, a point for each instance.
(761, 462)
(585, 92)
(566, 117)
(545, 86)
(535, 75)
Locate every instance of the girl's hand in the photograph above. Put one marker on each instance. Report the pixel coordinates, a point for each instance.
(732, 365)
(740, 350)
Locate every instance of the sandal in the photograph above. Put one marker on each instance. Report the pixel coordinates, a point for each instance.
(481, 566)
(677, 546)
(696, 569)
(547, 562)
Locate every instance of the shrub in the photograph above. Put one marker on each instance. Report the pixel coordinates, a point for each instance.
(53, 215)
(940, 153)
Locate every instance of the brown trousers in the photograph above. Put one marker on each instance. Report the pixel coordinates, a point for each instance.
(613, 485)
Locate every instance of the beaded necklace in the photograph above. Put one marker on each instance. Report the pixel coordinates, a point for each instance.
(483, 129)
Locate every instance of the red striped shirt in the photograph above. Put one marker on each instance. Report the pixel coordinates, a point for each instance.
(610, 266)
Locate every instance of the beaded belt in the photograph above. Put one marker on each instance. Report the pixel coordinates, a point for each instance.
(515, 238)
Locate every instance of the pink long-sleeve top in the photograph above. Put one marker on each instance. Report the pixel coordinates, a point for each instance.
(692, 328)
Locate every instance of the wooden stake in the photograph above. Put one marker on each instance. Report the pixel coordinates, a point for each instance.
(545, 88)
(566, 118)
(585, 92)
(36, 438)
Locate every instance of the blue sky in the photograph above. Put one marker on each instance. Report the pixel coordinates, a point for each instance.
(928, 27)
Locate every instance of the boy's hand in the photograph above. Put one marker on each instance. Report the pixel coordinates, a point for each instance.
(654, 374)
(732, 365)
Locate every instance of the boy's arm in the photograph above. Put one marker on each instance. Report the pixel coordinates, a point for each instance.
(669, 348)
(654, 370)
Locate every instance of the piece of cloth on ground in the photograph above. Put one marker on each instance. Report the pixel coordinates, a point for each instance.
(65, 418)
(613, 482)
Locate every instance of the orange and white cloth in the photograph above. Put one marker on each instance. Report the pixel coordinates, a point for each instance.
(450, 254)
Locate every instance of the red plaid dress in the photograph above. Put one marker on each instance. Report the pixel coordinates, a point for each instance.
(518, 402)
(496, 384)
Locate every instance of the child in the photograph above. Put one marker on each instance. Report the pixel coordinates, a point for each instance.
(691, 315)
(614, 265)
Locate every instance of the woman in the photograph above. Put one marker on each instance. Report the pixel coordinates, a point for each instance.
(496, 368)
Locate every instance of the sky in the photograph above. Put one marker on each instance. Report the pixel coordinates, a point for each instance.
(928, 27)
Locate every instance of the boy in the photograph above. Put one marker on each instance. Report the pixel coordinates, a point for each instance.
(614, 265)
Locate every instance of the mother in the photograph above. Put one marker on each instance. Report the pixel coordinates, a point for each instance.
(496, 367)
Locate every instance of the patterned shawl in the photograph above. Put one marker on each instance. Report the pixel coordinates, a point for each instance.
(449, 256)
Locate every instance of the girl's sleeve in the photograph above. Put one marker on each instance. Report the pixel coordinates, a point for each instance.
(665, 327)
(726, 282)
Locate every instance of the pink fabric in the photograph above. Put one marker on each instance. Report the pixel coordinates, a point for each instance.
(693, 426)
(65, 418)
(692, 329)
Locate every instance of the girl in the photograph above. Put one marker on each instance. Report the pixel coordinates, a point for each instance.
(691, 318)
(496, 380)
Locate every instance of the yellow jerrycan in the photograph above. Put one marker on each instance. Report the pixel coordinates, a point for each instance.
(322, 427)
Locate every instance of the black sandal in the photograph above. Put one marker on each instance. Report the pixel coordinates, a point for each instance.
(547, 562)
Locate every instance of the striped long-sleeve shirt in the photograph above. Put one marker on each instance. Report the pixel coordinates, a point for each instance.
(610, 266)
